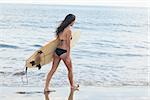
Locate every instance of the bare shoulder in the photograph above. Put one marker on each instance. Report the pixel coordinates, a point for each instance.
(68, 31)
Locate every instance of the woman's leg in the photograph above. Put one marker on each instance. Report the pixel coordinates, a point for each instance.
(68, 64)
(55, 64)
(69, 67)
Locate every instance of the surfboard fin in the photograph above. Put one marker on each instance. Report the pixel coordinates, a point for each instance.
(40, 52)
(39, 66)
(32, 62)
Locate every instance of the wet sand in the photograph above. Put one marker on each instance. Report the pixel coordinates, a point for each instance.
(85, 93)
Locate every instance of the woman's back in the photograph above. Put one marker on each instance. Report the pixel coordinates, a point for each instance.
(63, 36)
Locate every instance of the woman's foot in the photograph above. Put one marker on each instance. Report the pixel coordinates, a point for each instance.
(75, 87)
(46, 90)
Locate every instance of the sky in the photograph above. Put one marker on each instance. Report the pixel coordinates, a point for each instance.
(134, 3)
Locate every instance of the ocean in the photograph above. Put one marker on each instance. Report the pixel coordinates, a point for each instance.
(112, 50)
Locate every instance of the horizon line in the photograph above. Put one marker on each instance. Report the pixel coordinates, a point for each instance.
(71, 4)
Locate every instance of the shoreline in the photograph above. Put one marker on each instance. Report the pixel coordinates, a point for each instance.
(85, 93)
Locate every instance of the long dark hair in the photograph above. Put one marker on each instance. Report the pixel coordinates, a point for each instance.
(68, 20)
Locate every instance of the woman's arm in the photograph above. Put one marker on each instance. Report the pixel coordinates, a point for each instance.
(68, 42)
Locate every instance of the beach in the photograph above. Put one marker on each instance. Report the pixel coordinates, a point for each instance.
(85, 93)
(110, 60)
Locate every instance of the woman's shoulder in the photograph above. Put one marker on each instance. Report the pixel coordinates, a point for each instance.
(68, 30)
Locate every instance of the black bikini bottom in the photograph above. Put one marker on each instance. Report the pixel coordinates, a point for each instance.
(60, 51)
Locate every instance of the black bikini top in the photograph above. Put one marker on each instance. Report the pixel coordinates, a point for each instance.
(63, 40)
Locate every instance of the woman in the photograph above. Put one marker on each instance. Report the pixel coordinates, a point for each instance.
(62, 51)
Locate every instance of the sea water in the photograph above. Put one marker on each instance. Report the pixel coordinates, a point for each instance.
(112, 50)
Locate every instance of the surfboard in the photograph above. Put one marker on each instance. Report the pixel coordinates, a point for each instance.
(44, 55)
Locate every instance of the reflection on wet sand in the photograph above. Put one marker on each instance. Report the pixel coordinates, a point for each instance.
(46, 96)
(71, 95)
(69, 98)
